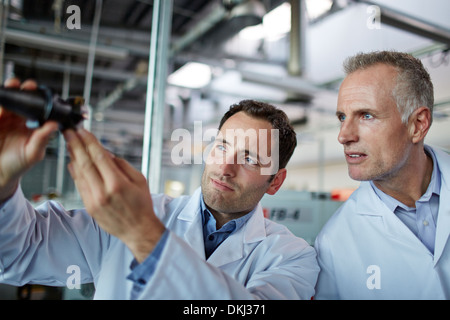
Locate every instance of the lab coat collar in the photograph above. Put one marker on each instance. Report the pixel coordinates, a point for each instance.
(187, 213)
(232, 248)
(255, 230)
(370, 203)
(443, 221)
(192, 228)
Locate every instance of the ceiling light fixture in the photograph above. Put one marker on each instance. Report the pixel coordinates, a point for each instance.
(192, 75)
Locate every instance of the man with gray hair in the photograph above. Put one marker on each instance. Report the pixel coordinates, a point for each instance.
(390, 240)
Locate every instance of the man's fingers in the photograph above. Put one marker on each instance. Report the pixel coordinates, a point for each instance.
(4, 113)
(132, 174)
(82, 186)
(39, 140)
(82, 164)
(114, 171)
(29, 85)
(12, 83)
(9, 83)
(15, 83)
(102, 158)
(91, 157)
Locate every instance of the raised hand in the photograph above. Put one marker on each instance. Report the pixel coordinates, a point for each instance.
(115, 194)
(20, 147)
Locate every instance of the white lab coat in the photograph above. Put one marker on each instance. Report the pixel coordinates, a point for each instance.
(366, 252)
(261, 260)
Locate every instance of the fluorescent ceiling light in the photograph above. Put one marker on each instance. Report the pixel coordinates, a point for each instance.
(252, 33)
(192, 75)
(316, 8)
(276, 23)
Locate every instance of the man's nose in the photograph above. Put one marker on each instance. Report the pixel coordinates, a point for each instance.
(229, 165)
(348, 132)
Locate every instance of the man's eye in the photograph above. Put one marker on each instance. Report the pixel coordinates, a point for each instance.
(251, 161)
(367, 116)
(220, 147)
(341, 117)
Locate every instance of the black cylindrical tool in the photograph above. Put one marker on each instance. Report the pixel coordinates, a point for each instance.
(41, 105)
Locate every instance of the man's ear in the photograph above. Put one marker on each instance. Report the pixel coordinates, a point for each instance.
(419, 124)
(277, 181)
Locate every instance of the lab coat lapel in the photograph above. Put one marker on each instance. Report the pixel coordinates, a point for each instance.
(232, 248)
(443, 221)
(369, 204)
(190, 219)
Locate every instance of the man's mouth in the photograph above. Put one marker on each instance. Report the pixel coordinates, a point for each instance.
(355, 157)
(221, 185)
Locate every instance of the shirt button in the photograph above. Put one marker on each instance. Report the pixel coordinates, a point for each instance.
(211, 237)
(425, 223)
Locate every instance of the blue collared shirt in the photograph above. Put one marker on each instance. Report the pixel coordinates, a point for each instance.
(213, 237)
(141, 273)
(421, 220)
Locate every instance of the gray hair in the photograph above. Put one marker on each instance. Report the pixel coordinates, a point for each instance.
(413, 88)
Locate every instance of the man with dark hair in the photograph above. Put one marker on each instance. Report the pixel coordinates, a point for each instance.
(390, 240)
(215, 244)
